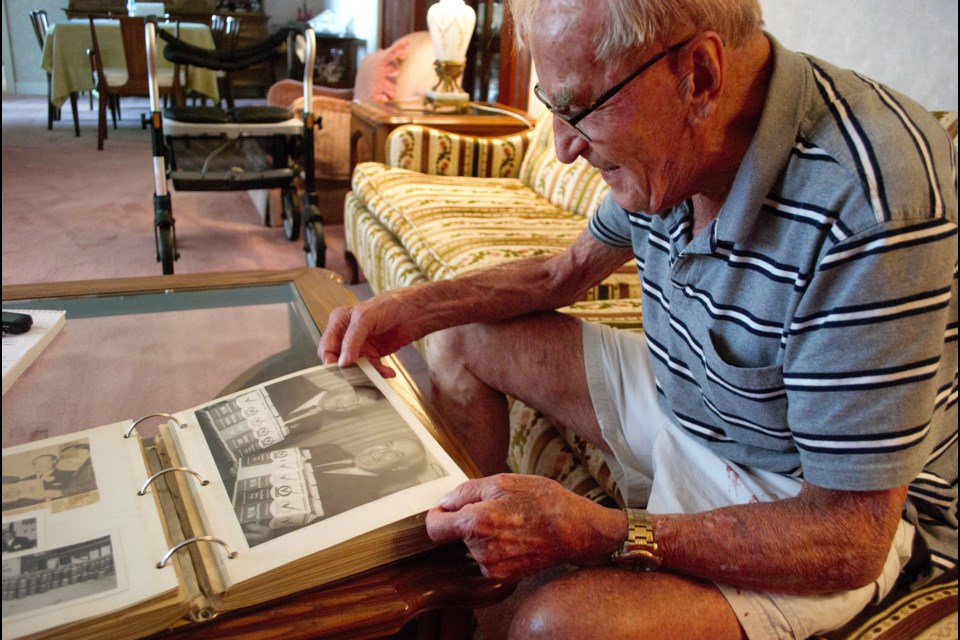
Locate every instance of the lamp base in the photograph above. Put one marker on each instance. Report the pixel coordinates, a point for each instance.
(448, 93)
(460, 100)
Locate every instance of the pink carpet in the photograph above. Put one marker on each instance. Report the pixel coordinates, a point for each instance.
(71, 212)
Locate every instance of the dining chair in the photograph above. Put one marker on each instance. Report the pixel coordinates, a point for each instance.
(226, 34)
(41, 23)
(132, 79)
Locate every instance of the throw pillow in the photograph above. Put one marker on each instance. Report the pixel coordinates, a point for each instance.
(377, 74)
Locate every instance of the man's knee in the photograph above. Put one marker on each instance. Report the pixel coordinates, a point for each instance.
(452, 356)
(450, 346)
(461, 356)
(508, 356)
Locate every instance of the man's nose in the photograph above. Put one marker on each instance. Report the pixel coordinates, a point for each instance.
(568, 143)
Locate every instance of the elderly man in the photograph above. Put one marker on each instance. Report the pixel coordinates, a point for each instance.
(789, 417)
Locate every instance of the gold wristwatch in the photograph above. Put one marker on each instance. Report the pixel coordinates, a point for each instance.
(640, 549)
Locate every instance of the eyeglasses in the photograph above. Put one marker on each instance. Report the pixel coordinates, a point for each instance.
(612, 91)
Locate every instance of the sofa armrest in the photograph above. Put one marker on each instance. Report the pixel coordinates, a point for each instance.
(437, 152)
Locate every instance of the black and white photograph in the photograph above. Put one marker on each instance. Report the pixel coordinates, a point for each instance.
(53, 577)
(310, 447)
(19, 536)
(58, 478)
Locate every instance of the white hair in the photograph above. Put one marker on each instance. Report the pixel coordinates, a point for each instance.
(633, 24)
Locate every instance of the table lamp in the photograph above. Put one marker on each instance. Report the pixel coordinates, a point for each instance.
(451, 24)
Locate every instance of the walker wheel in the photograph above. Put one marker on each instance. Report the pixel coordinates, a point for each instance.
(166, 248)
(290, 213)
(314, 247)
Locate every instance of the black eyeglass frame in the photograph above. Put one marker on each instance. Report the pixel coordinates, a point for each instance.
(576, 118)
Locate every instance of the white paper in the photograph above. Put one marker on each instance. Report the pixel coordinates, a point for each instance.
(21, 349)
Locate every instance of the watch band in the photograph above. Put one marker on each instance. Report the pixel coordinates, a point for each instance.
(640, 549)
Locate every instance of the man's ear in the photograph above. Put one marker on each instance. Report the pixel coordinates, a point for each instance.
(707, 57)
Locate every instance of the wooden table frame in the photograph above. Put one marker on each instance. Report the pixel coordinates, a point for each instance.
(439, 587)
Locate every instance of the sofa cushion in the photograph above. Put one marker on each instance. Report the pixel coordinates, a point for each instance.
(378, 71)
(451, 226)
(417, 73)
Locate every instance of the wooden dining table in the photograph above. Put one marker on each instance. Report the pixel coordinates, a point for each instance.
(65, 55)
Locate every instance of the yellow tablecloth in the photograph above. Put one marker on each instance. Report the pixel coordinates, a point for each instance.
(65, 55)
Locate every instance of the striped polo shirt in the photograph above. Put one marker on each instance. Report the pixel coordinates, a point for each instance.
(811, 329)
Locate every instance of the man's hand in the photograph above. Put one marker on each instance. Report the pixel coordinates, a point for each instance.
(373, 329)
(516, 525)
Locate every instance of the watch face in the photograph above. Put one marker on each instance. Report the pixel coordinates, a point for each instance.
(639, 559)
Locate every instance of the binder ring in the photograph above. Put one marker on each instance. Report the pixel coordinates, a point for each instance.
(146, 484)
(152, 415)
(169, 554)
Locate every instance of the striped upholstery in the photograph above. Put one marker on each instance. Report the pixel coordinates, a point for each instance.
(448, 225)
(442, 153)
(575, 187)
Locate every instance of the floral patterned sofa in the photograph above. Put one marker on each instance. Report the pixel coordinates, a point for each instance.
(445, 204)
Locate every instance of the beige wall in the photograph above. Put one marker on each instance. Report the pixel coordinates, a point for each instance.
(909, 45)
(21, 55)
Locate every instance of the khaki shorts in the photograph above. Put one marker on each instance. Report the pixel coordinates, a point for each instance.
(655, 463)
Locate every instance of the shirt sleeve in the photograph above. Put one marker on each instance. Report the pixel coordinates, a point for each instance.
(610, 225)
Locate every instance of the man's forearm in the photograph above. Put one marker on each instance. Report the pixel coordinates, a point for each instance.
(512, 289)
(818, 542)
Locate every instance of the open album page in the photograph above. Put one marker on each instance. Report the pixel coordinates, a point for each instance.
(308, 461)
(78, 542)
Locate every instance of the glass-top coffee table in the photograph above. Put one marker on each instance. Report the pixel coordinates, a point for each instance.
(135, 346)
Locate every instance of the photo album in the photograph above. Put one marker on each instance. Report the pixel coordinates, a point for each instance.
(286, 486)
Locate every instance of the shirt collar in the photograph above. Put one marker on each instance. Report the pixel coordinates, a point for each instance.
(772, 144)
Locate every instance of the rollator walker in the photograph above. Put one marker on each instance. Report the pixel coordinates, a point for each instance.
(239, 149)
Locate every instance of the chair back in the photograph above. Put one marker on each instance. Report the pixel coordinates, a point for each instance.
(132, 37)
(40, 24)
(231, 34)
(218, 24)
(225, 30)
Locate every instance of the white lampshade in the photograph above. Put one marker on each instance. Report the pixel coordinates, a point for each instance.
(451, 24)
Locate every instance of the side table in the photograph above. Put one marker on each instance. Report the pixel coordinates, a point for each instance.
(371, 122)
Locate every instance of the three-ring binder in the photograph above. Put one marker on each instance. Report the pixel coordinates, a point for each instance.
(143, 489)
(152, 415)
(180, 545)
